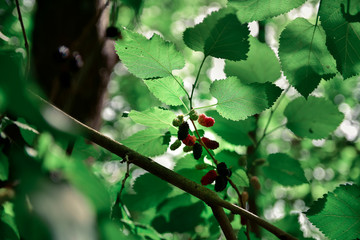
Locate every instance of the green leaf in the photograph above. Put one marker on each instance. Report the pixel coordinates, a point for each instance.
(228, 39)
(167, 90)
(261, 65)
(240, 178)
(172, 203)
(149, 142)
(314, 118)
(284, 170)
(304, 56)
(337, 214)
(148, 58)
(237, 101)
(150, 191)
(257, 10)
(230, 158)
(235, 132)
(196, 37)
(342, 37)
(153, 117)
(8, 228)
(4, 167)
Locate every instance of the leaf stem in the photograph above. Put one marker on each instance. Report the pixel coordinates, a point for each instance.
(196, 81)
(208, 106)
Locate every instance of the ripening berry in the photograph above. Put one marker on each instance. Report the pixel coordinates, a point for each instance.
(194, 115)
(189, 140)
(197, 150)
(209, 177)
(220, 183)
(183, 131)
(175, 145)
(244, 197)
(254, 180)
(211, 144)
(206, 121)
(113, 32)
(188, 148)
(223, 170)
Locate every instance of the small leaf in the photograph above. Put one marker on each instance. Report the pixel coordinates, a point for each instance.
(234, 132)
(304, 57)
(167, 90)
(314, 118)
(149, 142)
(337, 214)
(240, 178)
(284, 170)
(342, 37)
(261, 58)
(153, 117)
(237, 101)
(4, 167)
(148, 58)
(228, 39)
(257, 10)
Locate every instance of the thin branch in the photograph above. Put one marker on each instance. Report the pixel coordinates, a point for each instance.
(196, 81)
(224, 222)
(187, 185)
(25, 37)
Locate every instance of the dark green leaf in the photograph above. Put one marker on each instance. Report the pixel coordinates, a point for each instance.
(314, 118)
(304, 57)
(337, 214)
(4, 167)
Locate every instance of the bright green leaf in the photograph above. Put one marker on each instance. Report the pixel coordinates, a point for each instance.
(237, 101)
(314, 118)
(337, 214)
(304, 57)
(167, 90)
(235, 132)
(153, 117)
(257, 10)
(261, 65)
(228, 39)
(284, 170)
(150, 191)
(240, 178)
(149, 142)
(342, 37)
(4, 167)
(148, 58)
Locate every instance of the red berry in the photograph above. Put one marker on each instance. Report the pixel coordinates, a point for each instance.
(206, 121)
(209, 177)
(189, 140)
(211, 144)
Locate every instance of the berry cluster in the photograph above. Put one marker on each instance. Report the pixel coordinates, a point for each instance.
(220, 176)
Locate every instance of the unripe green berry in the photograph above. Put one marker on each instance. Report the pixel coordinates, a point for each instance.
(175, 145)
(188, 148)
(178, 120)
(193, 115)
(201, 166)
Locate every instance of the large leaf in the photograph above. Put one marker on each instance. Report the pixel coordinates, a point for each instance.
(342, 37)
(148, 58)
(219, 35)
(304, 56)
(257, 10)
(167, 90)
(314, 118)
(150, 191)
(337, 214)
(153, 117)
(240, 178)
(261, 65)
(237, 101)
(149, 142)
(284, 170)
(235, 132)
(228, 39)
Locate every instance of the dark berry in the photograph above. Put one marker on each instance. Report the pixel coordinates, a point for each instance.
(223, 170)
(209, 177)
(183, 131)
(175, 145)
(220, 183)
(189, 140)
(206, 121)
(197, 150)
(61, 54)
(211, 144)
(76, 62)
(113, 32)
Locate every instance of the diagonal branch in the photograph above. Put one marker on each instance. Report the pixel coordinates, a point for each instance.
(191, 187)
(224, 222)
